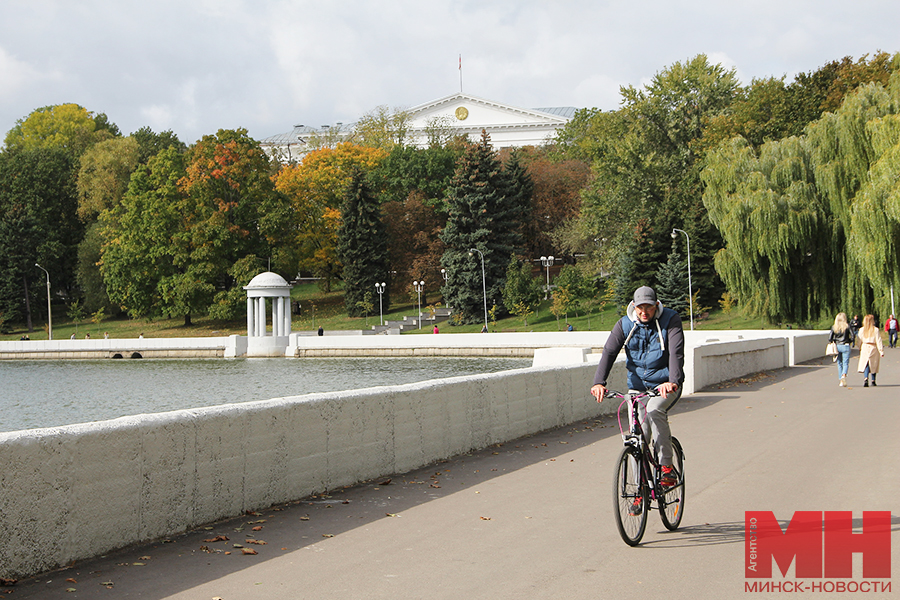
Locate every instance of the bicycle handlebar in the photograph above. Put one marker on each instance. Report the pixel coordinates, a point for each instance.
(645, 394)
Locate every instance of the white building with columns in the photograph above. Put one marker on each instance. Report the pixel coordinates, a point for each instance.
(268, 290)
(456, 114)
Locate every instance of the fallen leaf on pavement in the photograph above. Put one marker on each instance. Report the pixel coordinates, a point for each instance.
(249, 551)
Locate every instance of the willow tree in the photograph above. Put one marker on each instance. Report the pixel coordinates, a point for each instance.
(777, 259)
(811, 224)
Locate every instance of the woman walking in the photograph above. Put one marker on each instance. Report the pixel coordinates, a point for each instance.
(871, 350)
(842, 336)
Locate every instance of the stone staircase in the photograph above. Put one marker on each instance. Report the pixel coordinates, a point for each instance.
(429, 320)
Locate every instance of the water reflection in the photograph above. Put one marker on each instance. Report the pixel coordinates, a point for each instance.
(47, 393)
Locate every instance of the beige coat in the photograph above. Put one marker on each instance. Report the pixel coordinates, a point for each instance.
(870, 351)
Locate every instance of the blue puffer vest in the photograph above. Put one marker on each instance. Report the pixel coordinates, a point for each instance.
(646, 347)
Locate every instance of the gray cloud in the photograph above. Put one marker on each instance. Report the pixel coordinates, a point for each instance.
(197, 66)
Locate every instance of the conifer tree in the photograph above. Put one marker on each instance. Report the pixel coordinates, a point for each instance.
(362, 245)
(672, 286)
(480, 216)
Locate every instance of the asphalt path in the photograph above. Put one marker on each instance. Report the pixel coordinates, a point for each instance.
(532, 519)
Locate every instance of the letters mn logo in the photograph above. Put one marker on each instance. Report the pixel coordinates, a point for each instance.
(822, 544)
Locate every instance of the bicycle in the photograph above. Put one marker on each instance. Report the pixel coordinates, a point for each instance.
(636, 480)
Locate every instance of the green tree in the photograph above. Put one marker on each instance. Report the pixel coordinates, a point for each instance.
(481, 218)
(189, 224)
(88, 275)
(362, 245)
(38, 224)
(574, 286)
(408, 170)
(143, 237)
(151, 143)
(672, 289)
(646, 164)
(522, 292)
(105, 169)
(769, 110)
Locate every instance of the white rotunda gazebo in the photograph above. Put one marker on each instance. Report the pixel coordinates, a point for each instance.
(272, 286)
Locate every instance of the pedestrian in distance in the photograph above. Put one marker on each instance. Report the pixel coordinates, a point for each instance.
(855, 324)
(436, 330)
(842, 335)
(890, 326)
(871, 350)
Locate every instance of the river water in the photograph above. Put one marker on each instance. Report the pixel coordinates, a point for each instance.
(48, 393)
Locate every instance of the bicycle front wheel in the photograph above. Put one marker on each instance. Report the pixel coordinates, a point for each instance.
(671, 505)
(631, 502)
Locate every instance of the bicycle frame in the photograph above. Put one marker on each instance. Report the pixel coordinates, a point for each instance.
(649, 466)
(637, 488)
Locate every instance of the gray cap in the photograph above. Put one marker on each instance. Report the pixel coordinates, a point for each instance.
(644, 295)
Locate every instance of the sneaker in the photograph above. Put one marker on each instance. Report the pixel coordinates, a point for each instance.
(874, 383)
(637, 507)
(669, 477)
(843, 382)
(866, 383)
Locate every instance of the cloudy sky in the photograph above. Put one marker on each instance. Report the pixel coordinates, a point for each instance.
(195, 66)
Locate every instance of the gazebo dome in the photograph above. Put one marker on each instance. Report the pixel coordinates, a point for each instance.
(267, 280)
(268, 288)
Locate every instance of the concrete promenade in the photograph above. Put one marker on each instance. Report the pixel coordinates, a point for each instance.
(532, 518)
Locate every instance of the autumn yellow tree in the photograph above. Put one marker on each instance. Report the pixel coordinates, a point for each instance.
(65, 126)
(316, 188)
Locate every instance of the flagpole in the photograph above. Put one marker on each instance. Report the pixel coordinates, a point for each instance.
(460, 73)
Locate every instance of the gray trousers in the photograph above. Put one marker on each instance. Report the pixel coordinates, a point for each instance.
(655, 419)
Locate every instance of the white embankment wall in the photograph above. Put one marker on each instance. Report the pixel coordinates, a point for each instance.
(73, 492)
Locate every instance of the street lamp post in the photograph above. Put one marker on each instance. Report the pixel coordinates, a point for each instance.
(547, 261)
(446, 277)
(49, 314)
(379, 287)
(483, 282)
(420, 285)
(690, 286)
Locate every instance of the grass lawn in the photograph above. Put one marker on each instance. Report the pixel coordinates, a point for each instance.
(318, 308)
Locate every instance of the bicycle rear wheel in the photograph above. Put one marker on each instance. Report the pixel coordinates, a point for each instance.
(630, 496)
(671, 504)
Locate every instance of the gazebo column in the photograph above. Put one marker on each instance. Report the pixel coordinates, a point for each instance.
(276, 316)
(251, 322)
(287, 315)
(261, 317)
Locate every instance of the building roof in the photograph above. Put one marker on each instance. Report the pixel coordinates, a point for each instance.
(466, 114)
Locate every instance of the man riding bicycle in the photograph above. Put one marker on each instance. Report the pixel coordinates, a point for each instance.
(653, 338)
